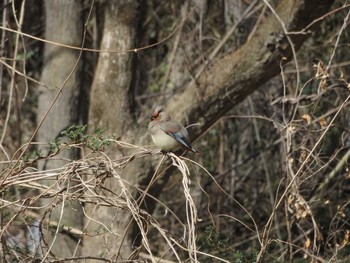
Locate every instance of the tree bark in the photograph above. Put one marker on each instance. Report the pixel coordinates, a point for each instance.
(112, 109)
(63, 24)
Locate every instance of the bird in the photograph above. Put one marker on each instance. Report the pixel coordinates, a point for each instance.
(167, 134)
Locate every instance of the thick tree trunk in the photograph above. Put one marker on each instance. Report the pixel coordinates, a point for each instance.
(63, 25)
(112, 109)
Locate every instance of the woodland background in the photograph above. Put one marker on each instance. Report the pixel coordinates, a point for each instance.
(264, 87)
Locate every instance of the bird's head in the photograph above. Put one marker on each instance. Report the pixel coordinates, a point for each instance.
(159, 114)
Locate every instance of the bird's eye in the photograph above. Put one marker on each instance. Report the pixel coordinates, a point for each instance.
(154, 116)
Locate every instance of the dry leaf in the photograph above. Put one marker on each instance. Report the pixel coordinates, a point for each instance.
(307, 118)
(346, 239)
(323, 122)
(307, 243)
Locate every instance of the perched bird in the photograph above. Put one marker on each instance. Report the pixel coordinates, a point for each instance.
(167, 134)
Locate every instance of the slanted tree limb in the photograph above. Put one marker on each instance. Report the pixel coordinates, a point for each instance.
(230, 79)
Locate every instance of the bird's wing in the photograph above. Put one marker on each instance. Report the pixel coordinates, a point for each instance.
(178, 136)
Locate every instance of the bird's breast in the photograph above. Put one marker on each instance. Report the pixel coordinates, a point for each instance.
(165, 142)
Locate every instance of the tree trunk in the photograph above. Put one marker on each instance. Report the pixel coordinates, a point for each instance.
(112, 109)
(63, 25)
